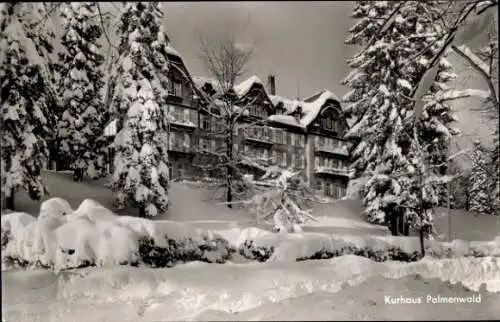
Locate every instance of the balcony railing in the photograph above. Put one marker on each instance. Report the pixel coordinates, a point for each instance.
(333, 150)
(178, 147)
(259, 137)
(331, 170)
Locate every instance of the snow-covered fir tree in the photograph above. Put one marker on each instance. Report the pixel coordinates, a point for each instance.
(141, 173)
(81, 123)
(384, 76)
(483, 185)
(25, 122)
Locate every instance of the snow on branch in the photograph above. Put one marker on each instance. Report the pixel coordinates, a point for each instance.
(472, 58)
(480, 66)
(458, 94)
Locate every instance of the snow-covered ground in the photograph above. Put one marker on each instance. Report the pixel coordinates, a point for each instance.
(346, 287)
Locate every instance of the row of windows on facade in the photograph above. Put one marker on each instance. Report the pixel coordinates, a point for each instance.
(274, 135)
(330, 189)
(183, 115)
(329, 163)
(320, 141)
(280, 158)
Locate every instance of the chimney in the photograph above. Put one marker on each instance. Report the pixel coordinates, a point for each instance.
(271, 83)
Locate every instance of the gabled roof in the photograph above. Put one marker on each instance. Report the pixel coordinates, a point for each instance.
(313, 105)
(289, 105)
(244, 87)
(285, 119)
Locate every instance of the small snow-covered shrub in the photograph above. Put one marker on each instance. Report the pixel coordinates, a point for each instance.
(252, 251)
(216, 250)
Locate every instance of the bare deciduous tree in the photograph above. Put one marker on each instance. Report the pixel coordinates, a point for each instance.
(225, 59)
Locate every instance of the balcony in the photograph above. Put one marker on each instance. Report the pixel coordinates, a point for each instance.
(332, 150)
(180, 100)
(179, 147)
(250, 135)
(177, 120)
(344, 172)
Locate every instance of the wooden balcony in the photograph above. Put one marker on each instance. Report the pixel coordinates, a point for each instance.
(332, 171)
(323, 148)
(180, 148)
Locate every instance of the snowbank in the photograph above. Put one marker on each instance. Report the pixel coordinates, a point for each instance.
(94, 235)
(261, 245)
(184, 292)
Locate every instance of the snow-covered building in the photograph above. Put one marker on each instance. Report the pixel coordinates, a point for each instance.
(300, 134)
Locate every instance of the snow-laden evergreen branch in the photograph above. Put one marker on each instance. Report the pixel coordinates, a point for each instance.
(481, 67)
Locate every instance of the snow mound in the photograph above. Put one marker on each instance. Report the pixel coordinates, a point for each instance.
(94, 235)
(263, 246)
(55, 207)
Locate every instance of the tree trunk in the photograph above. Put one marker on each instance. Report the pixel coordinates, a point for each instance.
(393, 223)
(78, 175)
(142, 212)
(9, 200)
(229, 169)
(422, 238)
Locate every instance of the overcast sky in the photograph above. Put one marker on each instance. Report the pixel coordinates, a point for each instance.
(300, 42)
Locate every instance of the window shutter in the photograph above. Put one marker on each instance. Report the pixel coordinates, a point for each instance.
(316, 162)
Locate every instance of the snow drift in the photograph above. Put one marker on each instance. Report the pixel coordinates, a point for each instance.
(184, 292)
(94, 235)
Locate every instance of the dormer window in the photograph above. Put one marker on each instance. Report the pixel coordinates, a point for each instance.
(177, 89)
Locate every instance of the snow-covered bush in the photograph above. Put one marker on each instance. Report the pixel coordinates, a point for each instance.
(94, 235)
(285, 196)
(307, 246)
(55, 207)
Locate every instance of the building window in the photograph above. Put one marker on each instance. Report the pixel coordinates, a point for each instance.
(177, 113)
(187, 140)
(177, 89)
(326, 190)
(279, 137)
(279, 159)
(319, 185)
(205, 122)
(171, 139)
(288, 138)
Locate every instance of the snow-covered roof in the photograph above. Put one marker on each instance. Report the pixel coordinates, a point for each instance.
(285, 119)
(242, 88)
(313, 105)
(289, 105)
